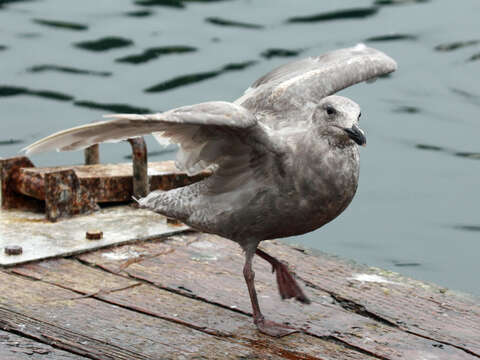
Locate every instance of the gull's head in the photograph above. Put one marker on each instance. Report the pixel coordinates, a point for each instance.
(338, 119)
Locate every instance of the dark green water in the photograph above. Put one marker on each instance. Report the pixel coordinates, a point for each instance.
(65, 63)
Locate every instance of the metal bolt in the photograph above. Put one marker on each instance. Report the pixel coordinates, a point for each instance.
(13, 250)
(140, 167)
(92, 155)
(94, 234)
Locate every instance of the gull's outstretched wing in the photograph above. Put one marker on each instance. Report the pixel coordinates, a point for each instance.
(293, 85)
(208, 133)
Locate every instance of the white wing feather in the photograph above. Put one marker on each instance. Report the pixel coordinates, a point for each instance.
(205, 132)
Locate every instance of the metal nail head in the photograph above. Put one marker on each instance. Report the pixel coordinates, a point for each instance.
(13, 250)
(94, 234)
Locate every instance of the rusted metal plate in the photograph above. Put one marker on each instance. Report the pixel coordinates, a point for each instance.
(99, 330)
(187, 311)
(42, 239)
(210, 268)
(14, 347)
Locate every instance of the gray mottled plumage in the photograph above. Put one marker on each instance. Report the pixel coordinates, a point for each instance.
(285, 156)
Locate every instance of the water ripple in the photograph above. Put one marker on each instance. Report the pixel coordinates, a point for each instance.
(116, 108)
(354, 13)
(471, 98)
(153, 53)
(407, 109)
(139, 13)
(467, 227)
(455, 45)
(11, 142)
(7, 2)
(66, 69)
(398, 2)
(223, 22)
(170, 3)
(391, 37)
(16, 90)
(277, 52)
(104, 44)
(61, 24)
(197, 77)
(462, 154)
(474, 57)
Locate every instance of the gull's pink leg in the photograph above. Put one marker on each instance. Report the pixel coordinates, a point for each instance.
(265, 326)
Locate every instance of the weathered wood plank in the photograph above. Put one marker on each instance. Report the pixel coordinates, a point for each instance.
(14, 347)
(99, 330)
(424, 309)
(211, 269)
(201, 315)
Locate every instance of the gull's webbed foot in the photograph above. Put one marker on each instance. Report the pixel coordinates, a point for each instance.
(273, 329)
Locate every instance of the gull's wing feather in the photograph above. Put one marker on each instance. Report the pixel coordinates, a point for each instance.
(292, 85)
(206, 132)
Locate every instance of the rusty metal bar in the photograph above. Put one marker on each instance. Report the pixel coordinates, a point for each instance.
(140, 167)
(92, 155)
(10, 175)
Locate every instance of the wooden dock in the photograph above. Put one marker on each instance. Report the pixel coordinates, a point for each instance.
(184, 297)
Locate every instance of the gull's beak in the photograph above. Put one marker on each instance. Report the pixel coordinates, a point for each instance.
(357, 135)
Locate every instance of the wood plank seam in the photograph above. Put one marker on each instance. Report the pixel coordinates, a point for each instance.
(360, 309)
(174, 291)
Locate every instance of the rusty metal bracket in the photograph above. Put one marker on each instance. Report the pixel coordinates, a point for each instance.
(62, 192)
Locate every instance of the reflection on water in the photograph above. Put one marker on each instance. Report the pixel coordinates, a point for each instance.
(104, 44)
(61, 24)
(11, 142)
(417, 206)
(463, 154)
(172, 3)
(455, 45)
(116, 108)
(194, 78)
(468, 227)
(52, 95)
(335, 15)
(154, 53)
(224, 22)
(398, 2)
(391, 37)
(66, 69)
(271, 53)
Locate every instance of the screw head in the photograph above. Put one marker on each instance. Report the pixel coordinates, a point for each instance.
(94, 234)
(13, 250)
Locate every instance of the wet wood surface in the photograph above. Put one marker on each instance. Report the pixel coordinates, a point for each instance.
(184, 297)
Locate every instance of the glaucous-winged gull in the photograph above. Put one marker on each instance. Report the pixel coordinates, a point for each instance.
(285, 157)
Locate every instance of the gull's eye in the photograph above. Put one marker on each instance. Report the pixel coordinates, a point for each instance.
(330, 110)
(359, 115)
